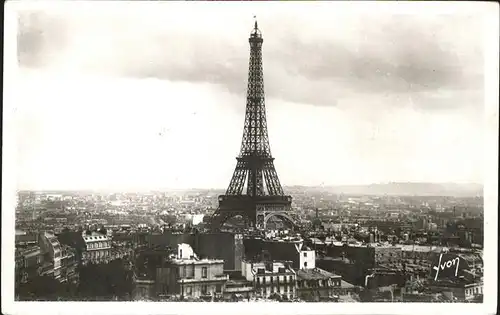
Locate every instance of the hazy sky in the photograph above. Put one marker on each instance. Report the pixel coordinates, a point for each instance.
(151, 95)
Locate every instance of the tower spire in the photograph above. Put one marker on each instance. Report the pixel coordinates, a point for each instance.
(256, 34)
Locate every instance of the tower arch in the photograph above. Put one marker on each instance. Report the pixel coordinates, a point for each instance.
(285, 217)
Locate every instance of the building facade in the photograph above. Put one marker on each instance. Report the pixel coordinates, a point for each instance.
(28, 262)
(55, 259)
(314, 284)
(181, 274)
(270, 278)
(461, 290)
(69, 263)
(189, 276)
(97, 248)
(307, 258)
(52, 250)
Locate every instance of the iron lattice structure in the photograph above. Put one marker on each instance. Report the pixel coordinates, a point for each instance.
(264, 196)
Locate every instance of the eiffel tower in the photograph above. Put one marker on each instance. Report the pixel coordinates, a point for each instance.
(264, 197)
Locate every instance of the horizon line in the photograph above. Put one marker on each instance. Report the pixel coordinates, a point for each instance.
(220, 188)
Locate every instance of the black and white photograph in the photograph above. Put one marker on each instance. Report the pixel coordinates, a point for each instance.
(254, 157)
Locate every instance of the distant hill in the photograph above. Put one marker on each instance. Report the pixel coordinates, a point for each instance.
(413, 189)
(406, 189)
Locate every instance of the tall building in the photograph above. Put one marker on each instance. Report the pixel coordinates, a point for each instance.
(263, 197)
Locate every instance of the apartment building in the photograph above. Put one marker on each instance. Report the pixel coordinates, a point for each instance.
(163, 274)
(270, 278)
(97, 248)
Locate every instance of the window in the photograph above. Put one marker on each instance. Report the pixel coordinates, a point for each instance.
(203, 289)
(184, 271)
(188, 290)
(305, 264)
(305, 254)
(204, 272)
(218, 288)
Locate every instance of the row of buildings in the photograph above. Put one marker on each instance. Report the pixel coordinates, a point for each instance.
(162, 273)
(58, 256)
(229, 266)
(46, 257)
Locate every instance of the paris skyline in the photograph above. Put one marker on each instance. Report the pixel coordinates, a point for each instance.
(141, 98)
